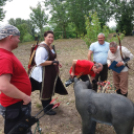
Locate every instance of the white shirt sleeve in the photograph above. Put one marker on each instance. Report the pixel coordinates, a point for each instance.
(41, 56)
(108, 59)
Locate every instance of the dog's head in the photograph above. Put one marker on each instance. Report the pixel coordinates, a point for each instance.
(78, 84)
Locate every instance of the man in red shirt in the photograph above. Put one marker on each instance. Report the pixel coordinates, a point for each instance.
(84, 68)
(15, 85)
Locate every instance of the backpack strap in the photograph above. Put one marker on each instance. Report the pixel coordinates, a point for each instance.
(46, 47)
(31, 62)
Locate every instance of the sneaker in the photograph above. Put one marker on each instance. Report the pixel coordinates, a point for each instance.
(50, 112)
(69, 81)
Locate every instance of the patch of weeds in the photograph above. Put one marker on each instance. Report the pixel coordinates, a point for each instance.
(58, 51)
(38, 105)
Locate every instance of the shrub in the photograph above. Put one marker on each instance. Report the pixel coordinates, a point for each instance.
(27, 37)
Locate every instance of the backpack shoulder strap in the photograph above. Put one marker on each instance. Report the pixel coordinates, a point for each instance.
(46, 47)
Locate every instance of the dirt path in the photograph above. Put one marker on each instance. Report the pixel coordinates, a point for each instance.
(67, 120)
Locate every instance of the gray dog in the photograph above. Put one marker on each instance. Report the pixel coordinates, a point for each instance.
(112, 109)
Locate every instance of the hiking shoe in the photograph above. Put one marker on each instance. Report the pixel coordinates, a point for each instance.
(50, 112)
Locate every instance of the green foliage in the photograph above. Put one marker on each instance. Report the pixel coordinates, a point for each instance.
(16, 22)
(23, 30)
(27, 37)
(93, 27)
(112, 29)
(28, 26)
(2, 13)
(74, 11)
(70, 32)
(124, 15)
(39, 18)
(47, 28)
(77, 9)
(125, 24)
(59, 12)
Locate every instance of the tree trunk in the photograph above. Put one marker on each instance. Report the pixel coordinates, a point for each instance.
(64, 31)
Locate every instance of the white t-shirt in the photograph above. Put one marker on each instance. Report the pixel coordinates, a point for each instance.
(41, 56)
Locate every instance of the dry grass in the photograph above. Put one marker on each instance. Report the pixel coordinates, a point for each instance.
(67, 120)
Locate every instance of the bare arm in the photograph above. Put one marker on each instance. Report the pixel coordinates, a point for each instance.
(108, 60)
(73, 68)
(46, 63)
(92, 78)
(10, 90)
(89, 55)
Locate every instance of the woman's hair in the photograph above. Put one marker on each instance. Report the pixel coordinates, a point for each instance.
(48, 32)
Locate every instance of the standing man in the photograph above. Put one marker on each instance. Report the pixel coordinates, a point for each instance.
(120, 79)
(15, 85)
(99, 50)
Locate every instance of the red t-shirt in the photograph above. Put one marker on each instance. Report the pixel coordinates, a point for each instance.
(9, 64)
(84, 67)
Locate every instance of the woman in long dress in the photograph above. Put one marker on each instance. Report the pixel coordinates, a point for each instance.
(45, 75)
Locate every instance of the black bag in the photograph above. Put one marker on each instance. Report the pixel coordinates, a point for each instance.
(23, 125)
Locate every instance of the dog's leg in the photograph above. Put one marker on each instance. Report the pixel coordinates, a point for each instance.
(88, 125)
(123, 129)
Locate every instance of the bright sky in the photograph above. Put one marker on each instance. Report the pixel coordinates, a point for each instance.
(21, 9)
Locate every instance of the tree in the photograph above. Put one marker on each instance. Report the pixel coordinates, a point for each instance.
(17, 21)
(39, 18)
(23, 30)
(93, 28)
(2, 13)
(77, 10)
(104, 10)
(59, 12)
(27, 24)
(124, 15)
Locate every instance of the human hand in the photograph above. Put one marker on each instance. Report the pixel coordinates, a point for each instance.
(72, 75)
(109, 65)
(119, 64)
(26, 100)
(100, 83)
(60, 65)
(55, 62)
